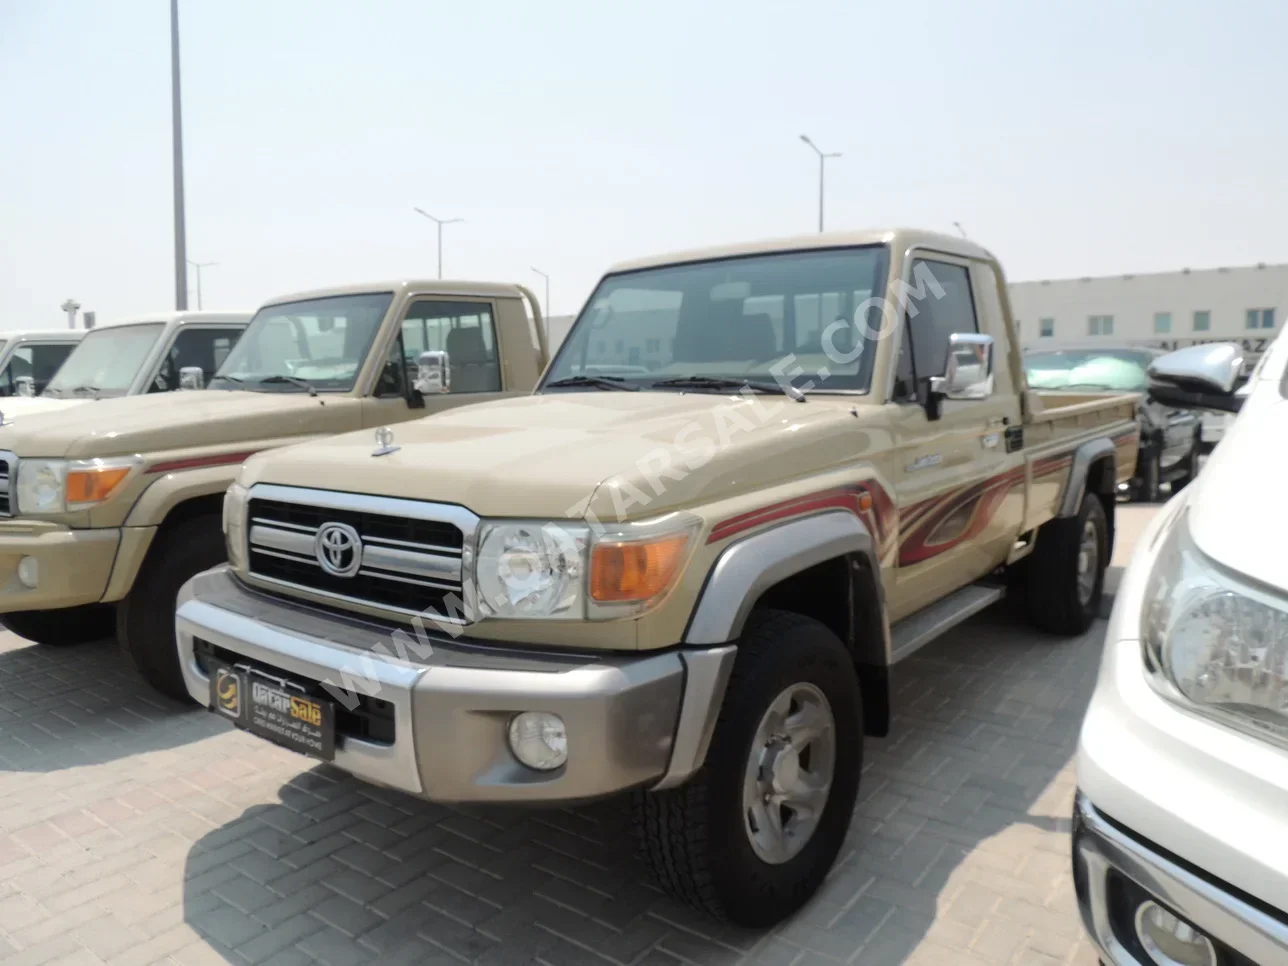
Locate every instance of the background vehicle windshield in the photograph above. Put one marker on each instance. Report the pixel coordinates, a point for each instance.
(1124, 370)
(106, 360)
(322, 342)
(732, 319)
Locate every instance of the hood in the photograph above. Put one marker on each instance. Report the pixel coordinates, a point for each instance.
(17, 407)
(177, 420)
(1236, 512)
(614, 453)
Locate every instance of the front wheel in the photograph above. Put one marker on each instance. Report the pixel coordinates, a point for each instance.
(750, 837)
(145, 619)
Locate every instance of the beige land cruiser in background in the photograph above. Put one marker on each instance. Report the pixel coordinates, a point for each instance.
(753, 480)
(105, 510)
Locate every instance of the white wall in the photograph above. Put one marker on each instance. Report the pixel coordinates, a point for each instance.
(1133, 300)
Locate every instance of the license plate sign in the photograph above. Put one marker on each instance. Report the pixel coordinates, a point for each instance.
(274, 709)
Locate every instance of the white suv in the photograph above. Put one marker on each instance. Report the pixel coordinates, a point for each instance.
(1180, 846)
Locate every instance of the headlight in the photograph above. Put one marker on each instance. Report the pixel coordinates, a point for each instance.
(1223, 646)
(42, 486)
(550, 569)
(234, 523)
(52, 486)
(533, 569)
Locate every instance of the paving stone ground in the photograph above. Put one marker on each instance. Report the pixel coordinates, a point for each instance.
(135, 831)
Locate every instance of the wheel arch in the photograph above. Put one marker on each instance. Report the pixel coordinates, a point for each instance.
(1094, 470)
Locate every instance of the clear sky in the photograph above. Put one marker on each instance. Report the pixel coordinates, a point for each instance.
(1071, 138)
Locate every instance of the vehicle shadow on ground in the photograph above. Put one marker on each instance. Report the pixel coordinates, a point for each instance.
(960, 833)
(65, 707)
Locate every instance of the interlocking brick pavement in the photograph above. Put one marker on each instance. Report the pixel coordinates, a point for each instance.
(134, 831)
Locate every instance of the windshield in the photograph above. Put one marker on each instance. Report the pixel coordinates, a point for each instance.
(319, 344)
(106, 361)
(1123, 370)
(747, 319)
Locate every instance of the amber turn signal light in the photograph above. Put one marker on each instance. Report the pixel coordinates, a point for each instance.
(94, 485)
(636, 571)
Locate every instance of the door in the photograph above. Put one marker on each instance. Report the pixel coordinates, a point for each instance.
(466, 331)
(959, 493)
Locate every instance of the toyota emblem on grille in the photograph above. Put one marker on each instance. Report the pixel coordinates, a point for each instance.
(338, 549)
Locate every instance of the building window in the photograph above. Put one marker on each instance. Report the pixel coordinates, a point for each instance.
(1162, 322)
(1100, 325)
(1202, 321)
(1261, 318)
(1046, 328)
(652, 345)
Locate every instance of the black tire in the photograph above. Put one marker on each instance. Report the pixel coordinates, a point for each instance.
(694, 837)
(1191, 469)
(60, 628)
(1051, 572)
(145, 618)
(1147, 481)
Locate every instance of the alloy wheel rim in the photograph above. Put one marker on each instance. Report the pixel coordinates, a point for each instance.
(1088, 561)
(789, 773)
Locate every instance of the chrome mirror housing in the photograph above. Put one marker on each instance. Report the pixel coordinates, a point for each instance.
(191, 377)
(24, 386)
(968, 373)
(1211, 368)
(433, 372)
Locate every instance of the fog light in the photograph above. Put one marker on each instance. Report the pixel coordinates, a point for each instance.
(539, 740)
(29, 572)
(1170, 941)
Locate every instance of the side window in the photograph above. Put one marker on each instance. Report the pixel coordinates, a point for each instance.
(466, 331)
(40, 362)
(205, 348)
(396, 370)
(939, 305)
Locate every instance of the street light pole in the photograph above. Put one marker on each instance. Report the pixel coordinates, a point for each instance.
(199, 266)
(440, 222)
(70, 307)
(822, 160)
(176, 109)
(547, 278)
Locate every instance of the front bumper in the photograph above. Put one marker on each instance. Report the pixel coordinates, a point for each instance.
(72, 566)
(631, 720)
(1114, 871)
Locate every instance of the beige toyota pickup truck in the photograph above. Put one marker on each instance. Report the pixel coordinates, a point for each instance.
(105, 510)
(752, 481)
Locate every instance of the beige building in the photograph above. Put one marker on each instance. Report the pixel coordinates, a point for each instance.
(1164, 309)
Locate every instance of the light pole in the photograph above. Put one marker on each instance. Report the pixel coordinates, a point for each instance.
(958, 226)
(547, 278)
(176, 112)
(70, 307)
(822, 160)
(199, 266)
(440, 222)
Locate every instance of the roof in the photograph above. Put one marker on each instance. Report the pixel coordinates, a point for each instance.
(898, 238)
(172, 316)
(48, 335)
(405, 286)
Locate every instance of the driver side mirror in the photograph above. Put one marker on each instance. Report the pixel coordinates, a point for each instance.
(25, 386)
(968, 374)
(1199, 377)
(192, 377)
(433, 372)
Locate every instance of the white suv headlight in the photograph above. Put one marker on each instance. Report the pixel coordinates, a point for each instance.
(234, 523)
(1222, 645)
(531, 569)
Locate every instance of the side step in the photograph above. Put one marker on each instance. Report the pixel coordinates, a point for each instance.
(917, 630)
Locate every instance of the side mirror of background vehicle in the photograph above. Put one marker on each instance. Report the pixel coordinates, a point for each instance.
(191, 377)
(24, 386)
(433, 372)
(1199, 377)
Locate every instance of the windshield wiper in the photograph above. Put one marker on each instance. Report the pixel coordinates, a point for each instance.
(234, 379)
(599, 382)
(293, 380)
(77, 390)
(717, 382)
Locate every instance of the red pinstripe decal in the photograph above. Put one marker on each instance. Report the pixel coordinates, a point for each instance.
(194, 462)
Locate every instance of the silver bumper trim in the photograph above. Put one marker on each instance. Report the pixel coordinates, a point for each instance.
(1223, 916)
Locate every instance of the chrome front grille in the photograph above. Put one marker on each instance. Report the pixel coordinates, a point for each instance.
(8, 480)
(401, 556)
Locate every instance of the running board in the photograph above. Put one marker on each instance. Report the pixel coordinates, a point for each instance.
(917, 630)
